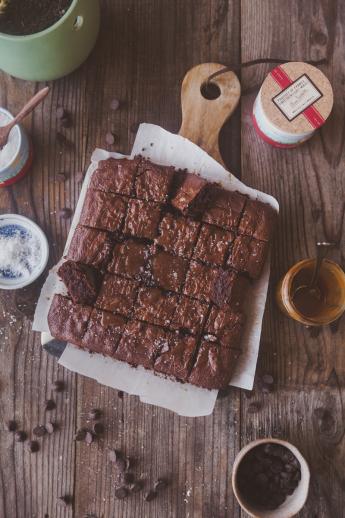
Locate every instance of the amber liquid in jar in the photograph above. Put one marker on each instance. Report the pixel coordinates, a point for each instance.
(318, 305)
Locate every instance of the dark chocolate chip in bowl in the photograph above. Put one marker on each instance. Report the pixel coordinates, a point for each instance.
(150, 495)
(65, 213)
(11, 426)
(98, 428)
(128, 478)
(110, 138)
(160, 484)
(58, 386)
(95, 414)
(20, 436)
(50, 405)
(88, 437)
(121, 492)
(80, 435)
(33, 446)
(39, 430)
(50, 427)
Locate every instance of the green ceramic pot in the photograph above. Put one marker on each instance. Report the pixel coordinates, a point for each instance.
(56, 51)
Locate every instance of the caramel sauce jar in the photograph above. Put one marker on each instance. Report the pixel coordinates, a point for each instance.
(316, 306)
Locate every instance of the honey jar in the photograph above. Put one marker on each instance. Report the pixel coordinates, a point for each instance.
(315, 305)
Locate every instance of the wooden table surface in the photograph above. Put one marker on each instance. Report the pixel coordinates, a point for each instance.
(144, 49)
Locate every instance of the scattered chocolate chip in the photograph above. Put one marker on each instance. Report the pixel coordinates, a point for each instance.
(11, 426)
(160, 484)
(58, 386)
(80, 435)
(50, 427)
(60, 112)
(266, 383)
(254, 407)
(115, 104)
(65, 213)
(65, 500)
(33, 446)
(95, 414)
(20, 436)
(39, 430)
(128, 478)
(50, 405)
(136, 486)
(98, 428)
(88, 437)
(120, 394)
(113, 455)
(121, 492)
(150, 495)
(110, 138)
(61, 176)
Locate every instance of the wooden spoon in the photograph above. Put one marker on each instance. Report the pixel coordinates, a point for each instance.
(27, 108)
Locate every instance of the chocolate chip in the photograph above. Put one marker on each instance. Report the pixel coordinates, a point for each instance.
(110, 138)
(11, 426)
(88, 437)
(33, 446)
(121, 492)
(98, 428)
(115, 104)
(58, 386)
(65, 500)
(61, 176)
(135, 487)
(128, 478)
(50, 427)
(50, 405)
(254, 407)
(80, 435)
(65, 213)
(60, 112)
(114, 455)
(39, 430)
(20, 436)
(160, 484)
(150, 495)
(95, 414)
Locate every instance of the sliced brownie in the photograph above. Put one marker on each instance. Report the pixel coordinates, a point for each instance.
(176, 357)
(82, 281)
(67, 320)
(103, 332)
(90, 246)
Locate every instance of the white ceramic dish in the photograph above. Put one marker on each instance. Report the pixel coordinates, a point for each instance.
(16, 219)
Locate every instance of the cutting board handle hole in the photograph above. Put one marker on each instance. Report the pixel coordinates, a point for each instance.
(210, 90)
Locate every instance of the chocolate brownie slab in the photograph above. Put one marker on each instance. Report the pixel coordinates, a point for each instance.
(117, 294)
(103, 210)
(140, 344)
(178, 235)
(103, 332)
(213, 244)
(188, 193)
(230, 288)
(176, 357)
(90, 246)
(248, 255)
(189, 315)
(258, 220)
(155, 306)
(214, 366)
(225, 326)
(82, 281)
(115, 175)
(142, 219)
(200, 281)
(168, 271)
(67, 320)
(129, 259)
(224, 207)
(153, 181)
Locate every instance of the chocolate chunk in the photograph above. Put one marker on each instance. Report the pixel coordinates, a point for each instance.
(88, 437)
(136, 486)
(50, 405)
(98, 428)
(39, 430)
(128, 478)
(114, 104)
(150, 495)
(11, 426)
(160, 484)
(33, 446)
(121, 492)
(110, 138)
(80, 435)
(58, 386)
(65, 213)
(95, 414)
(50, 427)
(20, 436)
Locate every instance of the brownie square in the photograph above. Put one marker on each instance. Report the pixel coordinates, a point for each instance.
(140, 344)
(155, 306)
(248, 255)
(117, 294)
(225, 326)
(168, 271)
(103, 210)
(176, 357)
(189, 192)
(178, 235)
(82, 281)
(142, 219)
(90, 246)
(258, 220)
(129, 259)
(213, 244)
(103, 333)
(214, 366)
(200, 281)
(189, 315)
(230, 289)
(67, 320)
(115, 175)
(153, 181)
(224, 208)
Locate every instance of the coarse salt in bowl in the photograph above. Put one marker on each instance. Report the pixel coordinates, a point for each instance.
(24, 251)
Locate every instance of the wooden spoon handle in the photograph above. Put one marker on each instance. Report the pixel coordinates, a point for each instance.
(202, 119)
(31, 105)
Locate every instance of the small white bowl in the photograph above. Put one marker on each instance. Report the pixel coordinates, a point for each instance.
(27, 224)
(293, 503)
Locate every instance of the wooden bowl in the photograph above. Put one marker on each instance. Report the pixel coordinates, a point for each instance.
(293, 503)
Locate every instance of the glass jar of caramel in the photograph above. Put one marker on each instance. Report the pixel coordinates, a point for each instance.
(315, 305)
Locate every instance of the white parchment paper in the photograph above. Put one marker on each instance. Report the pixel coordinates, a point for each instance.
(167, 149)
